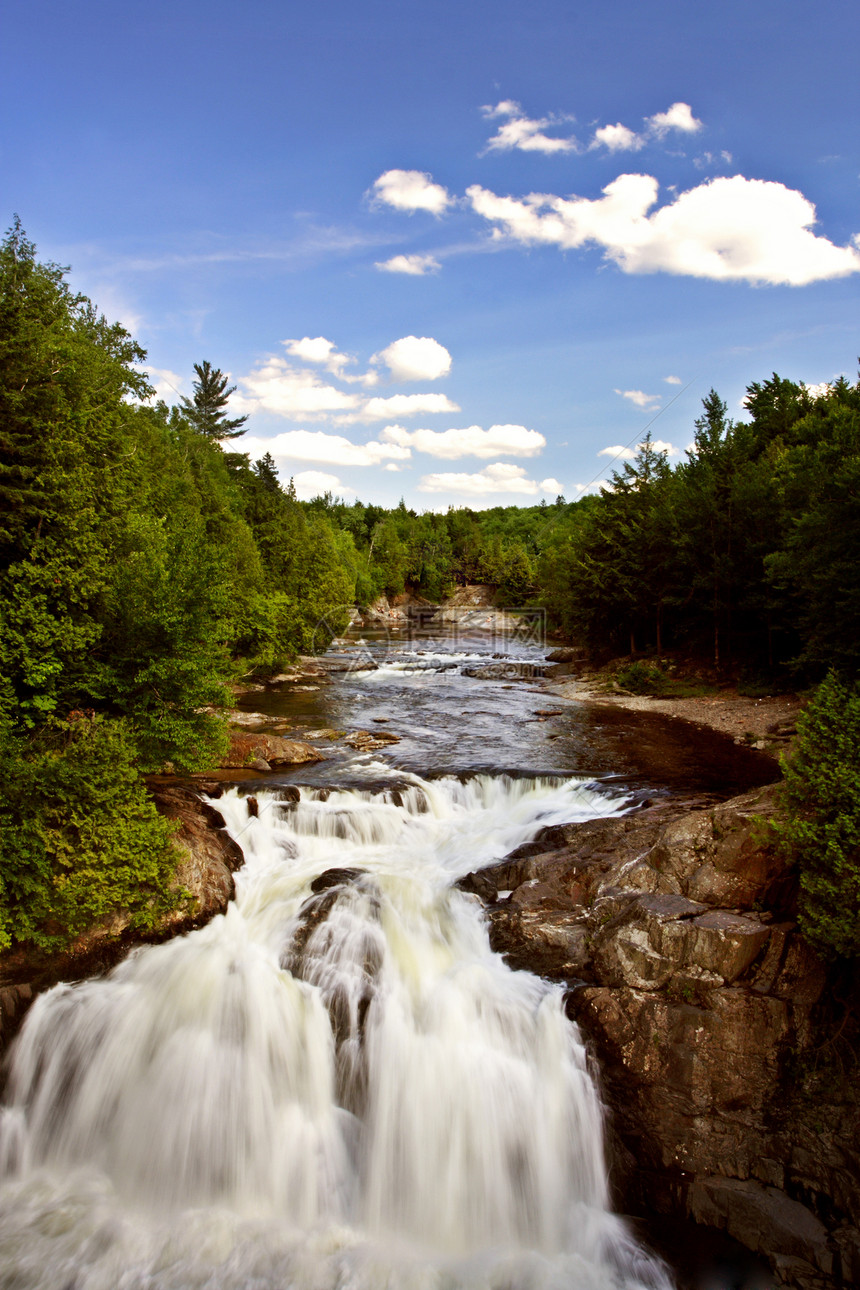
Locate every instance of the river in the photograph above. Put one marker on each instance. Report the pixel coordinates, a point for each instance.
(337, 1085)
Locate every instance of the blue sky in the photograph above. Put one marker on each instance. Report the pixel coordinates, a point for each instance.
(451, 252)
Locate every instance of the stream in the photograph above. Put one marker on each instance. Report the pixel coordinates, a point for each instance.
(337, 1085)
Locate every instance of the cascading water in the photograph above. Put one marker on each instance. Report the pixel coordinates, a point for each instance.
(336, 1084)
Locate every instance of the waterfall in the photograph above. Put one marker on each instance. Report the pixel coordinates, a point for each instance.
(335, 1084)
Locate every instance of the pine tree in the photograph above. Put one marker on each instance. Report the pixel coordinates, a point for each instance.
(206, 410)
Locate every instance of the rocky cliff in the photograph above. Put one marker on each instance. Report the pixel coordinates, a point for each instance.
(733, 1096)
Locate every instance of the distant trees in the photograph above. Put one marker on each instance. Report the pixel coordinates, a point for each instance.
(748, 551)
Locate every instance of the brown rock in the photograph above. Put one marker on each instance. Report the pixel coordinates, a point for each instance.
(367, 740)
(262, 752)
(762, 1219)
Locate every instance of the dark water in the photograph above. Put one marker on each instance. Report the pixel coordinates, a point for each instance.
(449, 722)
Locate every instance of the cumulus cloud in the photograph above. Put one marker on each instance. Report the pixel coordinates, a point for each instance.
(673, 380)
(415, 265)
(280, 387)
(500, 477)
(678, 117)
(617, 138)
(727, 229)
(617, 450)
(402, 405)
(411, 190)
(817, 391)
(639, 398)
(168, 385)
(276, 386)
(330, 449)
(619, 453)
(316, 349)
(501, 440)
(524, 133)
(415, 358)
(312, 483)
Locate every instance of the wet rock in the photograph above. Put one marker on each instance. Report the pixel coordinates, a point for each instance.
(14, 1002)
(510, 671)
(262, 752)
(718, 856)
(551, 943)
(725, 944)
(644, 944)
(210, 857)
(349, 661)
(335, 878)
(763, 1219)
(368, 740)
(566, 654)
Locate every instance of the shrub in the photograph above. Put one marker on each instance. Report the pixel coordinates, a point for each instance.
(819, 829)
(80, 838)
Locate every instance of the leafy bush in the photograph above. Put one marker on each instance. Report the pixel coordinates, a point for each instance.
(80, 838)
(641, 678)
(819, 831)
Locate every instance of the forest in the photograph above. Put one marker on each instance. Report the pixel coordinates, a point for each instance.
(146, 561)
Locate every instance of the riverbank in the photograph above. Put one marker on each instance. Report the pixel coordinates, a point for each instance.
(767, 722)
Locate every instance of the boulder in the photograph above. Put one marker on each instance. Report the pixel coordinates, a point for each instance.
(369, 740)
(262, 752)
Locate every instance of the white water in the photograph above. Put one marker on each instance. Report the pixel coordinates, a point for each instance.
(379, 1105)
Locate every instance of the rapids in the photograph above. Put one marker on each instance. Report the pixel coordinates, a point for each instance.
(336, 1084)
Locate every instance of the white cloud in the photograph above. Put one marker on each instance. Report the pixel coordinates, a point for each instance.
(619, 453)
(673, 380)
(168, 385)
(500, 440)
(389, 465)
(312, 483)
(678, 117)
(551, 486)
(639, 397)
(617, 450)
(817, 391)
(415, 358)
(411, 190)
(402, 405)
(330, 449)
(617, 138)
(276, 386)
(727, 229)
(521, 132)
(501, 477)
(316, 349)
(415, 265)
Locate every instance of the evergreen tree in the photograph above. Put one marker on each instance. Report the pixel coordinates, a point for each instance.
(206, 410)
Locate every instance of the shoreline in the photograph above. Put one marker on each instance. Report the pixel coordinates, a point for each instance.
(767, 723)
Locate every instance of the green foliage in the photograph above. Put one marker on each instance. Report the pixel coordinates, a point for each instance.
(81, 841)
(206, 410)
(819, 831)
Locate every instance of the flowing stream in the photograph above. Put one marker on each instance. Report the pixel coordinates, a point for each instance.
(336, 1084)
